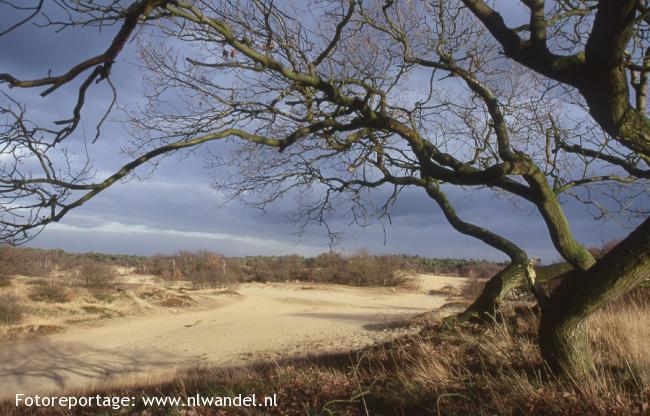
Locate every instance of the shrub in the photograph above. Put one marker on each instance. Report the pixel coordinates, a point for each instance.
(95, 274)
(11, 311)
(49, 292)
(28, 261)
(361, 269)
(203, 268)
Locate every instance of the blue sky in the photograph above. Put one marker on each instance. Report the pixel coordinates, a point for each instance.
(175, 208)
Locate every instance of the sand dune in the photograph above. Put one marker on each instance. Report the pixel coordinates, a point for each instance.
(258, 321)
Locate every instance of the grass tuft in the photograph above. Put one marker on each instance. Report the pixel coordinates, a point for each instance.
(11, 310)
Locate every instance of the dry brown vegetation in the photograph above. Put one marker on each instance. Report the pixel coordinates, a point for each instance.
(11, 310)
(442, 371)
(360, 269)
(95, 274)
(5, 279)
(43, 291)
(208, 269)
(49, 291)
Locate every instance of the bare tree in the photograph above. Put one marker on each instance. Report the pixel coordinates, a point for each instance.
(589, 47)
(353, 99)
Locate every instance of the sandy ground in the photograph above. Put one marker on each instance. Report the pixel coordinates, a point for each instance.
(258, 321)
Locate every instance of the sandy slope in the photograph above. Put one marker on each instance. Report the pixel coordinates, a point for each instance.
(258, 322)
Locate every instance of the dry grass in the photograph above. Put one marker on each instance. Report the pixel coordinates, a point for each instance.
(11, 309)
(47, 303)
(621, 333)
(51, 292)
(177, 301)
(441, 371)
(61, 300)
(5, 279)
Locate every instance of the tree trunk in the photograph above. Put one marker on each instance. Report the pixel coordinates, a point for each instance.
(502, 283)
(563, 335)
(498, 286)
(484, 308)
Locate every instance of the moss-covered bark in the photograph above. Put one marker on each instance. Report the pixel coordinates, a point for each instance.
(485, 307)
(563, 327)
(498, 287)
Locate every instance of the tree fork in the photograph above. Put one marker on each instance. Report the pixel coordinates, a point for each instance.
(485, 306)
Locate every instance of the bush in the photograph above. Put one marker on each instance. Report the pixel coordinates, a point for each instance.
(95, 274)
(203, 268)
(11, 311)
(361, 269)
(49, 292)
(28, 261)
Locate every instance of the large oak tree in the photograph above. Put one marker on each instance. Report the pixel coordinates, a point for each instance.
(351, 97)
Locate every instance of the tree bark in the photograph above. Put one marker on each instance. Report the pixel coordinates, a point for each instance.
(485, 307)
(501, 284)
(549, 207)
(563, 332)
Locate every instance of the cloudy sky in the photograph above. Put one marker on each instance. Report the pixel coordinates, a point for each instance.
(175, 207)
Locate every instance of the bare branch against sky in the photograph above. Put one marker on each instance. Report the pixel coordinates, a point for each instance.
(170, 203)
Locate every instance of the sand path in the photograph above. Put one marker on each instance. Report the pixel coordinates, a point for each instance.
(259, 322)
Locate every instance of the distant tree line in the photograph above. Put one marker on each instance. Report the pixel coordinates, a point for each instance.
(206, 268)
(358, 269)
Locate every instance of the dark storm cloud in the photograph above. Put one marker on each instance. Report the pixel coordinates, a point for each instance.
(176, 208)
(36, 48)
